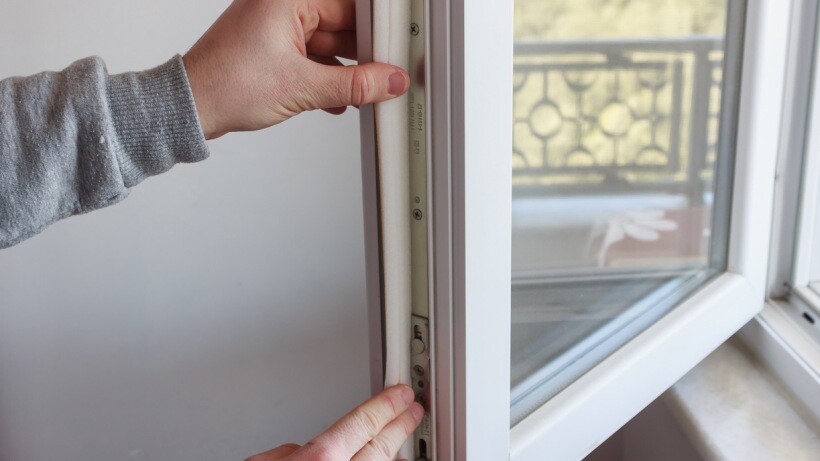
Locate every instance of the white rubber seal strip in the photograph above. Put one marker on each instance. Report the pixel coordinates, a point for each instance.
(391, 44)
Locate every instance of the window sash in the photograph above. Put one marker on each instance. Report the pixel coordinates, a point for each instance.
(470, 111)
(571, 424)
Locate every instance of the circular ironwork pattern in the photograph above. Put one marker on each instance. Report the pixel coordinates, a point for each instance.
(653, 79)
(580, 81)
(545, 119)
(521, 157)
(652, 155)
(616, 118)
(519, 80)
(632, 111)
(580, 156)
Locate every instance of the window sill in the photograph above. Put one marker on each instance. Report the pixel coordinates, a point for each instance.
(733, 408)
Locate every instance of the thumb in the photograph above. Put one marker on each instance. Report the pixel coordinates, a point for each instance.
(339, 86)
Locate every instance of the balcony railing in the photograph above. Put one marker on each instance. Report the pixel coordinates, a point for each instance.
(616, 115)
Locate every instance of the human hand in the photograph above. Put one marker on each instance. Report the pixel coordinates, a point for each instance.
(372, 432)
(264, 61)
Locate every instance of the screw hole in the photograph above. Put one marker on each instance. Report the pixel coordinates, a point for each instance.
(423, 448)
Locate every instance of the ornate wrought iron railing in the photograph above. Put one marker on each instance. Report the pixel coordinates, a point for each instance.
(616, 115)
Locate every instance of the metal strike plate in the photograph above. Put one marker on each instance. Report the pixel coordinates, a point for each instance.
(420, 374)
(418, 157)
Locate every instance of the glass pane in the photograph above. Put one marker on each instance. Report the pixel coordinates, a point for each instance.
(623, 138)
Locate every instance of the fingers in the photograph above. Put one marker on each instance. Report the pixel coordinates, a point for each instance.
(385, 446)
(333, 44)
(336, 15)
(333, 86)
(329, 61)
(348, 435)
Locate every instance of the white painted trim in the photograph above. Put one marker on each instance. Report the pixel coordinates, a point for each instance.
(582, 416)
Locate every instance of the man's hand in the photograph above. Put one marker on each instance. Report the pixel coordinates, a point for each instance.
(264, 61)
(372, 432)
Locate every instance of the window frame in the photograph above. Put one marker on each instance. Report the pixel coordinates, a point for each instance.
(801, 269)
(780, 336)
(469, 122)
(806, 254)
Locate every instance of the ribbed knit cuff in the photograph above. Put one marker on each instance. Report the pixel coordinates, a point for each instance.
(156, 121)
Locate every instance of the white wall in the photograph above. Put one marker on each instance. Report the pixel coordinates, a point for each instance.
(218, 311)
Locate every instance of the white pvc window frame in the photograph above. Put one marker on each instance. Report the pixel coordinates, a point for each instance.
(806, 269)
(469, 135)
(574, 422)
(794, 273)
(805, 265)
(785, 336)
(468, 123)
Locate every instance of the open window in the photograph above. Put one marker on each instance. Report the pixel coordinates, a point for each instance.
(624, 132)
(596, 206)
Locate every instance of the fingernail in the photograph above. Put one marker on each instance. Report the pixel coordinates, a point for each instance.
(396, 83)
(418, 411)
(407, 394)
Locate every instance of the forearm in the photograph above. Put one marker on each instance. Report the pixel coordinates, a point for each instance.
(77, 140)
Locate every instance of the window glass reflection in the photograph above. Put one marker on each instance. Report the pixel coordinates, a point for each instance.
(623, 111)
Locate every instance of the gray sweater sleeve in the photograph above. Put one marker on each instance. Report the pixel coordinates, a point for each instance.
(78, 140)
